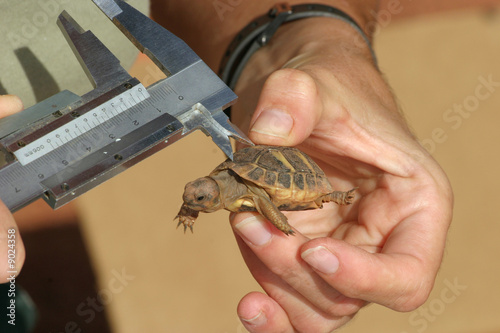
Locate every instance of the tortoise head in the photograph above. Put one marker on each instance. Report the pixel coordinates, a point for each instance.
(203, 194)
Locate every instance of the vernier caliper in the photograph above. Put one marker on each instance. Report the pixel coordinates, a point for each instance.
(67, 144)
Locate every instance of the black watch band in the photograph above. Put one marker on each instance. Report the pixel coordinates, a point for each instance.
(259, 32)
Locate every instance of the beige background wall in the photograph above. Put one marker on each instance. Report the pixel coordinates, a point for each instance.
(192, 283)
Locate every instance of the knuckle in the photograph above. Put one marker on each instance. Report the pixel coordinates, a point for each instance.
(290, 274)
(345, 307)
(362, 288)
(413, 296)
(298, 84)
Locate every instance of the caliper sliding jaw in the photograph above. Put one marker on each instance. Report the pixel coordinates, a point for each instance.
(66, 145)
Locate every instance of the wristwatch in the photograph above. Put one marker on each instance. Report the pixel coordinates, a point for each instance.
(258, 33)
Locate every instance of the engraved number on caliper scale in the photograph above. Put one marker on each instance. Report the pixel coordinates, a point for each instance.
(81, 125)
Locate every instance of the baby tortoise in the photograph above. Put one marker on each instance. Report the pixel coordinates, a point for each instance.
(266, 179)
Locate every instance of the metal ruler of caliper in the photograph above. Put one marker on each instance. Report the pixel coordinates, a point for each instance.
(64, 146)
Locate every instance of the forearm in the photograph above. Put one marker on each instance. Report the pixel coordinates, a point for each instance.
(208, 26)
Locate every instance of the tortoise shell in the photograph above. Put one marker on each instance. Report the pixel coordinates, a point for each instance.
(288, 175)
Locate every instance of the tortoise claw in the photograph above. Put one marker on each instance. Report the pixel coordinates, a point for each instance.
(186, 222)
(187, 217)
(186, 226)
(349, 196)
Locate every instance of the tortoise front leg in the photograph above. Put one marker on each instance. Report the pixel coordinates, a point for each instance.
(186, 216)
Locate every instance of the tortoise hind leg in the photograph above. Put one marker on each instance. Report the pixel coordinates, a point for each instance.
(267, 209)
(339, 197)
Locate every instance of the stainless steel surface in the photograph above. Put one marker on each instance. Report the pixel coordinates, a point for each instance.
(101, 66)
(169, 52)
(69, 144)
(33, 114)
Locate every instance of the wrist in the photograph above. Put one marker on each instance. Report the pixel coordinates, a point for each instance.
(261, 30)
(321, 47)
(327, 42)
(210, 26)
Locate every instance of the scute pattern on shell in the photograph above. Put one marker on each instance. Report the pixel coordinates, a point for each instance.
(284, 172)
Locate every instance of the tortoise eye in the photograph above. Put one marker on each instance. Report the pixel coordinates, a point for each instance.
(200, 198)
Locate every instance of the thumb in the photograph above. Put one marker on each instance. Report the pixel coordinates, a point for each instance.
(396, 281)
(11, 245)
(288, 109)
(9, 104)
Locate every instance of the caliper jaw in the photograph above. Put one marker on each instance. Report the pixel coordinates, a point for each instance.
(101, 66)
(175, 58)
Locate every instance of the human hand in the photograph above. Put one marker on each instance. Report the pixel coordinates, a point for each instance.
(386, 248)
(9, 104)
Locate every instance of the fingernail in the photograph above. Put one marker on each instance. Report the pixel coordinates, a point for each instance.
(321, 259)
(273, 122)
(258, 320)
(255, 230)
